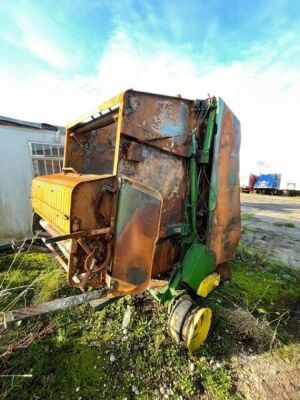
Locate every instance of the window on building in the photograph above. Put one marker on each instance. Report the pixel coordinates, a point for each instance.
(46, 158)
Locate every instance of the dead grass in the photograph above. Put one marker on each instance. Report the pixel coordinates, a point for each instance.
(258, 329)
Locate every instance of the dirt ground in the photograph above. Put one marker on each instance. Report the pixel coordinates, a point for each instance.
(268, 376)
(273, 223)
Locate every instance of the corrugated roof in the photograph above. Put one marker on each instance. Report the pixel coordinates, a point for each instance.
(35, 125)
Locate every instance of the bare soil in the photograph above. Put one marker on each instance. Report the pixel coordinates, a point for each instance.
(264, 223)
(271, 223)
(268, 376)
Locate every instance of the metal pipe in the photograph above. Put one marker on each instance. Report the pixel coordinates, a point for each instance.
(193, 183)
(208, 137)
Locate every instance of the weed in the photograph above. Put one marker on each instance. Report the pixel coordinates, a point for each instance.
(32, 276)
(256, 328)
(285, 224)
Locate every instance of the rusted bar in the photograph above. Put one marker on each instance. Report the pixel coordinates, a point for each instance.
(64, 247)
(61, 261)
(85, 247)
(99, 122)
(57, 256)
(78, 234)
(69, 169)
(55, 305)
(73, 135)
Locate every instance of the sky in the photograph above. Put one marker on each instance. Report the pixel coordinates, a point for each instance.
(58, 59)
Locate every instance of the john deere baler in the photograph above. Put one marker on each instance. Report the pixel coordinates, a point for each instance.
(148, 198)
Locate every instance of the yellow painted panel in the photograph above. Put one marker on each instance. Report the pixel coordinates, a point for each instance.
(52, 202)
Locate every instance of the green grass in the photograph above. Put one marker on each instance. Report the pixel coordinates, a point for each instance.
(29, 277)
(285, 224)
(74, 361)
(248, 229)
(256, 278)
(247, 216)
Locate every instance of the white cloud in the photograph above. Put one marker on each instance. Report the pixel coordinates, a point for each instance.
(44, 97)
(33, 32)
(264, 96)
(125, 65)
(46, 51)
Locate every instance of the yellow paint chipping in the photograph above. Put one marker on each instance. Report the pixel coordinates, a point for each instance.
(208, 284)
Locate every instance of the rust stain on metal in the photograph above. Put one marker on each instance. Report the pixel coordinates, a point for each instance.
(92, 152)
(81, 225)
(138, 220)
(162, 122)
(225, 226)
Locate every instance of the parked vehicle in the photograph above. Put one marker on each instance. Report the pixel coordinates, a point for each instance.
(290, 185)
(268, 184)
(247, 183)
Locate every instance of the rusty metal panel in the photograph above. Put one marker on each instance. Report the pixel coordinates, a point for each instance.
(224, 223)
(133, 151)
(91, 206)
(167, 253)
(163, 121)
(137, 228)
(92, 151)
(165, 173)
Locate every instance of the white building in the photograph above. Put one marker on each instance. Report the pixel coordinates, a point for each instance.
(27, 149)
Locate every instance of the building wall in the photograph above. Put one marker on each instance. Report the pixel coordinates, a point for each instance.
(15, 178)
